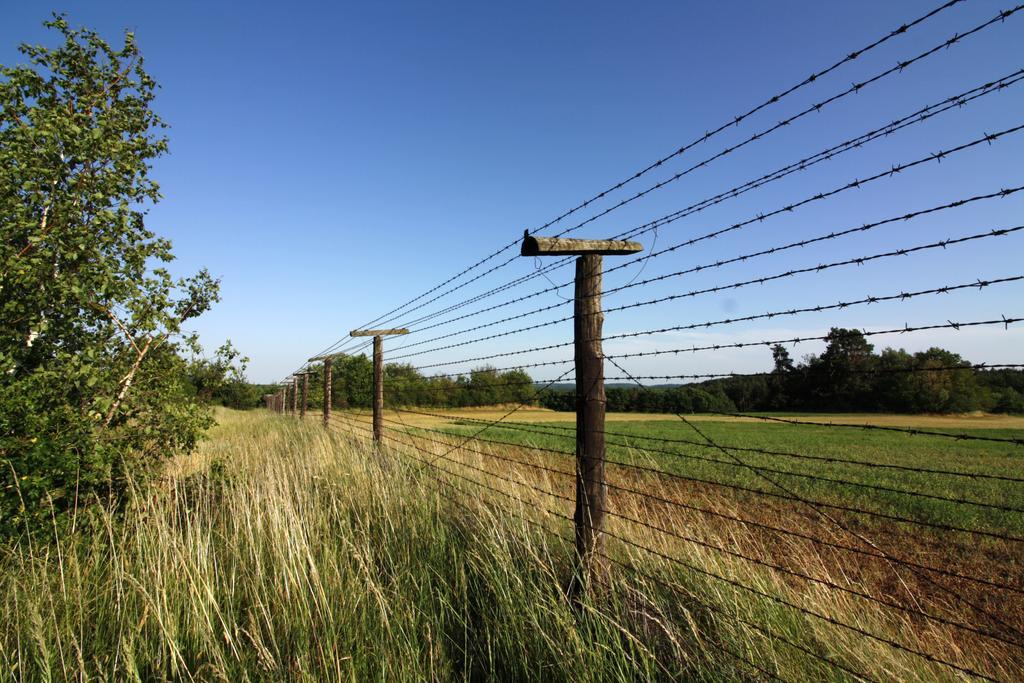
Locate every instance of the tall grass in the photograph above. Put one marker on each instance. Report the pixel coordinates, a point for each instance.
(282, 551)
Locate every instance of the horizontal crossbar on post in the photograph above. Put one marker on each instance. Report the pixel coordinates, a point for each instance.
(378, 333)
(326, 356)
(564, 246)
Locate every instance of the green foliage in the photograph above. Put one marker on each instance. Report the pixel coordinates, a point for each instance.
(681, 399)
(220, 380)
(848, 376)
(1005, 388)
(352, 386)
(93, 390)
(841, 377)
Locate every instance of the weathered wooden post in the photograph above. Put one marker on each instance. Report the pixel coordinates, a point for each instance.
(328, 362)
(295, 394)
(305, 396)
(588, 322)
(378, 374)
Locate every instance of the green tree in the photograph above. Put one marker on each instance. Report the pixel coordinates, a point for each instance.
(841, 378)
(935, 389)
(89, 328)
(352, 382)
(783, 383)
(221, 379)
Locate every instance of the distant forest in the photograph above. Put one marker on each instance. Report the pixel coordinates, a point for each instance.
(847, 377)
(352, 386)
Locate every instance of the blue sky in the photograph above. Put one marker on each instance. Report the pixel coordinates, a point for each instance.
(330, 161)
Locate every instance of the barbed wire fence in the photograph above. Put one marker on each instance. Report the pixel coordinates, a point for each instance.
(884, 555)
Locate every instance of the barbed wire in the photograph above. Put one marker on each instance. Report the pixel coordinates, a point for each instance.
(429, 389)
(433, 463)
(906, 329)
(857, 183)
(817, 507)
(847, 494)
(855, 88)
(788, 532)
(710, 546)
(919, 116)
(540, 429)
(938, 156)
(1002, 193)
(673, 297)
(792, 497)
(734, 122)
(867, 634)
(735, 583)
(564, 517)
(902, 296)
(607, 584)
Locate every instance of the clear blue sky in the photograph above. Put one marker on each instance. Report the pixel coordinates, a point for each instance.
(330, 161)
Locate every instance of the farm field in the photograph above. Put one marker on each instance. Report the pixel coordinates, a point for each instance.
(690, 498)
(889, 473)
(531, 414)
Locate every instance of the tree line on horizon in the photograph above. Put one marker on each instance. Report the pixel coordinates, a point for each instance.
(847, 377)
(352, 387)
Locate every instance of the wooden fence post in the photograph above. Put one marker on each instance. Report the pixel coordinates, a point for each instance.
(305, 396)
(328, 361)
(588, 322)
(378, 374)
(591, 490)
(378, 387)
(327, 392)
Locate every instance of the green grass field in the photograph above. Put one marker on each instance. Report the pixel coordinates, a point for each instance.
(884, 490)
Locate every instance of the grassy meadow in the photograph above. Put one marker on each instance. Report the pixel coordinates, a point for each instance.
(847, 467)
(284, 551)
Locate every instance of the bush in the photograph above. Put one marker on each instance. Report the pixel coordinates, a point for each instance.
(94, 392)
